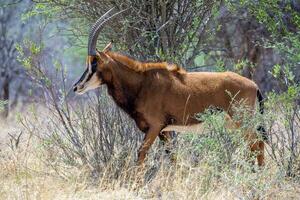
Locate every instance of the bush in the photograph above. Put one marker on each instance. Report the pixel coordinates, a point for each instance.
(284, 136)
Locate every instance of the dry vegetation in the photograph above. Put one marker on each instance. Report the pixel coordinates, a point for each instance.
(97, 161)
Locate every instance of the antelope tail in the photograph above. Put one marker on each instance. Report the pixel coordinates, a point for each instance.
(261, 128)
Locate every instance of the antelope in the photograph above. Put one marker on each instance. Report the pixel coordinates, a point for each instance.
(156, 95)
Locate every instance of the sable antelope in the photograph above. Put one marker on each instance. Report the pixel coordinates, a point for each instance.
(156, 95)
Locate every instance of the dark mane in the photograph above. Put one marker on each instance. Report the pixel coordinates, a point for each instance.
(145, 66)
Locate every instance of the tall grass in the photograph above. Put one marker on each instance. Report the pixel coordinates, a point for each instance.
(210, 165)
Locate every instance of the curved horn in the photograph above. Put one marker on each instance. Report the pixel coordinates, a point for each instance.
(96, 28)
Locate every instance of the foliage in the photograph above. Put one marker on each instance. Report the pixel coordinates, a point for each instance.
(280, 17)
(3, 105)
(159, 30)
(282, 20)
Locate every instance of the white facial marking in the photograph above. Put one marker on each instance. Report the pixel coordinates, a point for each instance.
(93, 83)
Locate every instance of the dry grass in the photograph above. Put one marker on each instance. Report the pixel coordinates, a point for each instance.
(26, 174)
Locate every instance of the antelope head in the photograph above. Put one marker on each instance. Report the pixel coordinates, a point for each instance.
(96, 60)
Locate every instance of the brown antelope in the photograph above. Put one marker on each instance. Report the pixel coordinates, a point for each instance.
(156, 95)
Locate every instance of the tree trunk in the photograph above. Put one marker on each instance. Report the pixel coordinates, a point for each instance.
(5, 98)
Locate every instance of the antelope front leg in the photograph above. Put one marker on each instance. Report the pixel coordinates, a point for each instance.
(148, 141)
(259, 147)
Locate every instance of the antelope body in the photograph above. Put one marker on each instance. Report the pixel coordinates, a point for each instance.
(156, 95)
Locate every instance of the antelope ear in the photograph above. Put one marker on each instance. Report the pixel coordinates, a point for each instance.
(103, 57)
(107, 48)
